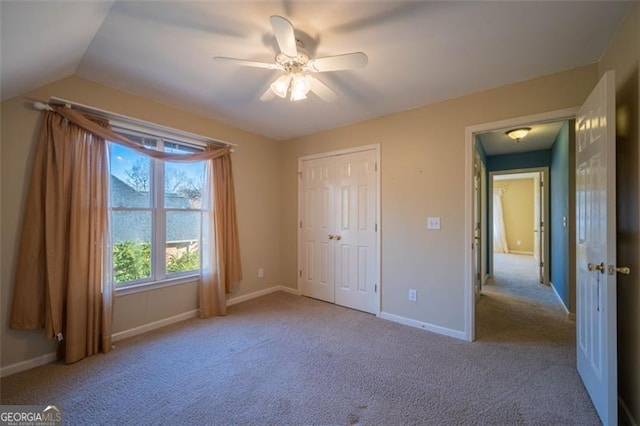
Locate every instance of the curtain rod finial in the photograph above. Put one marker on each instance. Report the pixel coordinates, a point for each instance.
(42, 106)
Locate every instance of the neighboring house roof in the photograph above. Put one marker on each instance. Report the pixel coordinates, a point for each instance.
(136, 225)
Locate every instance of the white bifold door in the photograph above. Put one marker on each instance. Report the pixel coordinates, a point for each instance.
(338, 259)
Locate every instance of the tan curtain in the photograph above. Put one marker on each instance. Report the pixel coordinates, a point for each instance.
(221, 266)
(63, 273)
(62, 260)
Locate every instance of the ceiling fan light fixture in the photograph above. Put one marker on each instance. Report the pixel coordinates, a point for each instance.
(299, 87)
(518, 134)
(281, 86)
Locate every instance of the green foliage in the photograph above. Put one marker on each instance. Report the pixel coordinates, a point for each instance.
(187, 261)
(132, 261)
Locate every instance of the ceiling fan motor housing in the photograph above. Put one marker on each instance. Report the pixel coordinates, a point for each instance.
(293, 64)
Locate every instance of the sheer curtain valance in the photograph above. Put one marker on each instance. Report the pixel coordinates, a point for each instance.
(63, 276)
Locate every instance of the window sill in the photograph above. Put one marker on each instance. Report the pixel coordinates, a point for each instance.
(169, 282)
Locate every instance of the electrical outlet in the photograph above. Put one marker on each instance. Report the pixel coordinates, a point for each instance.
(261, 273)
(433, 223)
(413, 294)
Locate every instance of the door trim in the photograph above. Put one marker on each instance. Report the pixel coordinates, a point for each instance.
(372, 147)
(470, 132)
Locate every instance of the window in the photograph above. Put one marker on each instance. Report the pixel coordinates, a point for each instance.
(155, 213)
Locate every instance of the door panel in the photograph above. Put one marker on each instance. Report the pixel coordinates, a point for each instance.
(316, 225)
(537, 215)
(357, 254)
(542, 229)
(596, 246)
(477, 225)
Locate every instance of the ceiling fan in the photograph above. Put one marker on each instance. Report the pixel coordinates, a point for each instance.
(298, 66)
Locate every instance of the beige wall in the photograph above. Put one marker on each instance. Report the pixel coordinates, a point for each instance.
(517, 206)
(256, 170)
(422, 174)
(623, 57)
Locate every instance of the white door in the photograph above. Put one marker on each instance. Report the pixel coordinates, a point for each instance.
(316, 230)
(596, 248)
(477, 229)
(542, 227)
(537, 219)
(355, 235)
(338, 230)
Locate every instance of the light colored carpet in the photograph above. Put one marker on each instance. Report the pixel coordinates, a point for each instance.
(289, 360)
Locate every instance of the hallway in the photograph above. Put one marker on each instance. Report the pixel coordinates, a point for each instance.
(515, 307)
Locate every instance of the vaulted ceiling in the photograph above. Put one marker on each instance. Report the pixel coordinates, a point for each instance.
(420, 52)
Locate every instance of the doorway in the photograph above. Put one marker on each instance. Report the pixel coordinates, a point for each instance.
(507, 161)
(519, 215)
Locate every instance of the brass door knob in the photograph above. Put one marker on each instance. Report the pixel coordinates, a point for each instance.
(623, 270)
(338, 237)
(331, 236)
(594, 267)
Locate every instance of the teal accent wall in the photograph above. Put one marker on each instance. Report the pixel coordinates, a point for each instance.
(524, 160)
(558, 210)
(481, 151)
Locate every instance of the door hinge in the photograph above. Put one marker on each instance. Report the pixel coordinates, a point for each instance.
(375, 288)
(376, 227)
(300, 175)
(375, 166)
(300, 273)
(542, 264)
(300, 224)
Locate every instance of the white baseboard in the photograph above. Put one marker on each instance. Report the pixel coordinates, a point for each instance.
(424, 326)
(626, 414)
(245, 297)
(48, 358)
(295, 291)
(154, 325)
(28, 364)
(570, 315)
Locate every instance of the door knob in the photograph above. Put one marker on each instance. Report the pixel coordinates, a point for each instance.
(623, 270)
(338, 237)
(331, 237)
(594, 267)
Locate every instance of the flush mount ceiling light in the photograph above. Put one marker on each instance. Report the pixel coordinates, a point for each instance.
(298, 65)
(518, 134)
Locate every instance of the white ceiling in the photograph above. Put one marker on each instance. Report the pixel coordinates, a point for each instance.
(541, 137)
(420, 52)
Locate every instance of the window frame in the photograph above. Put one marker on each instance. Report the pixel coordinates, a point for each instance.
(159, 277)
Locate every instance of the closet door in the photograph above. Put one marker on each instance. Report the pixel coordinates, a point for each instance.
(338, 237)
(317, 221)
(354, 233)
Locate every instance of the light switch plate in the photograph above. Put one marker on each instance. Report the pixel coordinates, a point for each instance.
(433, 223)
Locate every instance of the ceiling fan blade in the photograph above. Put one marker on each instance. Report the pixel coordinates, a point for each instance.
(268, 95)
(320, 89)
(339, 62)
(283, 30)
(247, 63)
